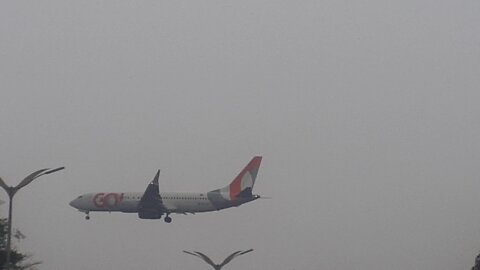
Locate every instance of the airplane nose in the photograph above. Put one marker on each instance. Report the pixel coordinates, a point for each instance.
(74, 203)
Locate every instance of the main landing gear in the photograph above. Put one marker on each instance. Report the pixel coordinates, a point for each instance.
(167, 219)
(87, 217)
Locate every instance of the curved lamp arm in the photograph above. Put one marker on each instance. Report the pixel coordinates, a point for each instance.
(27, 180)
(35, 175)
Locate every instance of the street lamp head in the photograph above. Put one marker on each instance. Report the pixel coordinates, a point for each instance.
(35, 175)
(54, 170)
(30, 178)
(214, 265)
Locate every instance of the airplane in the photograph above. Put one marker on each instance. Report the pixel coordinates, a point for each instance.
(153, 204)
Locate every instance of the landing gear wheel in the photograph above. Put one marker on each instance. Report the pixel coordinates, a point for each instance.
(168, 219)
(87, 217)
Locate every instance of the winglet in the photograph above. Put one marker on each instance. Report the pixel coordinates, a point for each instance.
(155, 179)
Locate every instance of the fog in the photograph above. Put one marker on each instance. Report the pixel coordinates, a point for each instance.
(366, 114)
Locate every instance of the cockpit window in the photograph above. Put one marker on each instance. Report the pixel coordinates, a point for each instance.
(79, 197)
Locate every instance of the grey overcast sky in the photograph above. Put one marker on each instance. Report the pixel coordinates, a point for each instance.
(367, 114)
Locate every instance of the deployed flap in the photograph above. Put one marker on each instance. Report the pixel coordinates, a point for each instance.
(151, 205)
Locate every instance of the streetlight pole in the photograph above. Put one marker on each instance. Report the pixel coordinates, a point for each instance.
(11, 191)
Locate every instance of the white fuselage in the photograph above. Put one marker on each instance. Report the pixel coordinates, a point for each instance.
(174, 202)
(153, 204)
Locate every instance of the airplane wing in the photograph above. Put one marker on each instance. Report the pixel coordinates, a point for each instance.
(151, 205)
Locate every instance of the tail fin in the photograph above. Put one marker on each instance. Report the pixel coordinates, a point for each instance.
(242, 185)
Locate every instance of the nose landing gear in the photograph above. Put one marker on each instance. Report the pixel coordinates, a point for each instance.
(87, 217)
